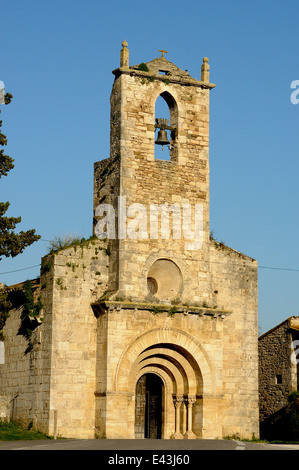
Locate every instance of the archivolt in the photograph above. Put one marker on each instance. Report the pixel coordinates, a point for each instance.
(172, 351)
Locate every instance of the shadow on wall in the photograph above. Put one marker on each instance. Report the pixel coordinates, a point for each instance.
(283, 424)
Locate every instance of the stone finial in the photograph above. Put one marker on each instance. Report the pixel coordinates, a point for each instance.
(124, 55)
(205, 70)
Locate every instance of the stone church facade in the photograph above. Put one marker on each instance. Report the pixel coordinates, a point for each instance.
(149, 328)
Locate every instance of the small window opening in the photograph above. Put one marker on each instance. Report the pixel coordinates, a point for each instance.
(278, 379)
(152, 285)
(163, 72)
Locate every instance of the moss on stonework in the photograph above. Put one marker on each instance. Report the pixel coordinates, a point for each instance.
(109, 300)
(143, 67)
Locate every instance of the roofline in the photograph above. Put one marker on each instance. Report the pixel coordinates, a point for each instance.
(222, 245)
(277, 326)
(163, 78)
(20, 285)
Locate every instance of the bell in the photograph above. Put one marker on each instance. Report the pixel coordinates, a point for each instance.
(162, 138)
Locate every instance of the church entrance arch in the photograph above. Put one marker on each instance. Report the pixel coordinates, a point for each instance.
(148, 407)
(183, 367)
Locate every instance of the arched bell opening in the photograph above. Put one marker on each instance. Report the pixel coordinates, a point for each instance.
(166, 123)
(149, 407)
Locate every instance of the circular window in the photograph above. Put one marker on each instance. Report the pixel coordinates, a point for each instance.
(164, 279)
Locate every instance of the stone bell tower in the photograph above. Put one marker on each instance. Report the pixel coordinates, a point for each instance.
(161, 207)
(177, 325)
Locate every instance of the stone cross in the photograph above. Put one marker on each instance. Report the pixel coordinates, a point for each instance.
(162, 52)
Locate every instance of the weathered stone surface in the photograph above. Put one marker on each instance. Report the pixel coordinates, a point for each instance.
(278, 370)
(117, 309)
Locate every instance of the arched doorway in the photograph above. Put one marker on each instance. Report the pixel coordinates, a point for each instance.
(148, 407)
(173, 356)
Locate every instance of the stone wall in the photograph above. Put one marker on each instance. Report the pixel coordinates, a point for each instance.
(234, 288)
(5, 408)
(58, 374)
(18, 374)
(277, 372)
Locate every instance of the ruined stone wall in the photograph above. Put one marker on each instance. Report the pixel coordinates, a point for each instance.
(56, 379)
(18, 375)
(106, 191)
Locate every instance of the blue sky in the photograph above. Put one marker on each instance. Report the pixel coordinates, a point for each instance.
(57, 59)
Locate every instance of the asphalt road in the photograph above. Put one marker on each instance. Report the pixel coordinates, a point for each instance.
(134, 446)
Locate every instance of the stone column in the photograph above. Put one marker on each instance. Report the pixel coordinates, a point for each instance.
(190, 400)
(177, 401)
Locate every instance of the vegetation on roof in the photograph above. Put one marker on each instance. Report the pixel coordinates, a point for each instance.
(66, 241)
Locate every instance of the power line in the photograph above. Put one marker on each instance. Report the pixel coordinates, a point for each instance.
(23, 269)
(278, 269)
(259, 267)
(29, 267)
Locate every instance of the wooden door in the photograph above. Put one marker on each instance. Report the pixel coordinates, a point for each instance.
(148, 407)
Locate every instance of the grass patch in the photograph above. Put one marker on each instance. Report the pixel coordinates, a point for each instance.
(62, 242)
(12, 431)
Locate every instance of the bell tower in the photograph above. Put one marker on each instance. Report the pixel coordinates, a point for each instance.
(177, 323)
(160, 207)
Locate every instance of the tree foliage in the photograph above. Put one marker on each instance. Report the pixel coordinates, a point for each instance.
(11, 243)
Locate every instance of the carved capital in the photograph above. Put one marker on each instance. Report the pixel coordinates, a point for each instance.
(178, 400)
(191, 399)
